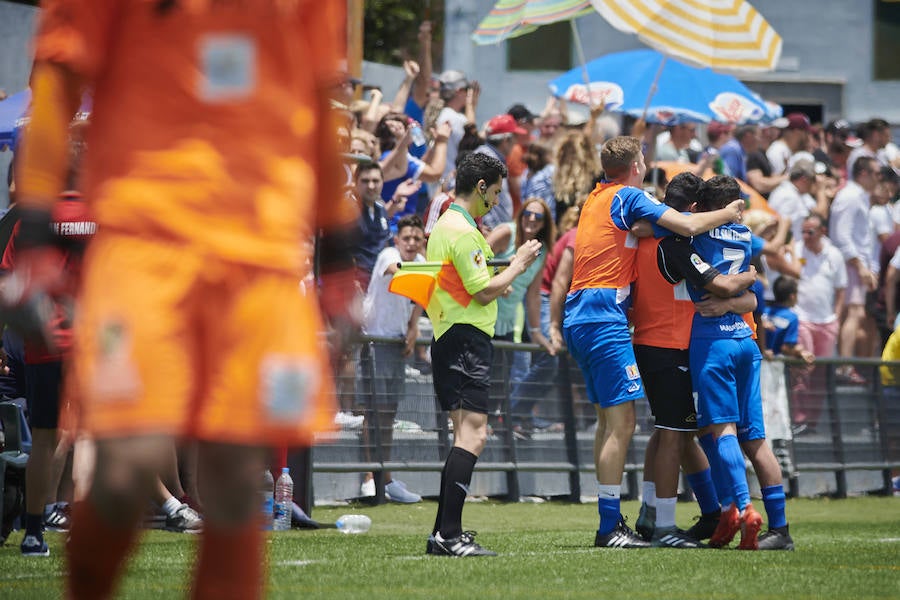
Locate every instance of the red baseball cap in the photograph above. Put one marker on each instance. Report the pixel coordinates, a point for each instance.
(798, 120)
(503, 124)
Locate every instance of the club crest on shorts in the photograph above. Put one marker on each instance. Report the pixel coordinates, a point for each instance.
(287, 384)
(631, 371)
(115, 376)
(477, 257)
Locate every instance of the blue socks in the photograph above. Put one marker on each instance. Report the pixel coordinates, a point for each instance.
(734, 469)
(609, 505)
(773, 498)
(705, 491)
(722, 487)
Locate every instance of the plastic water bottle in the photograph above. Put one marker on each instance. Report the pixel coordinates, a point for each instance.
(267, 499)
(417, 135)
(284, 496)
(353, 523)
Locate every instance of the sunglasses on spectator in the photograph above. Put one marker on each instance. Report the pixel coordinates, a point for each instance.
(808, 232)
(527, 214)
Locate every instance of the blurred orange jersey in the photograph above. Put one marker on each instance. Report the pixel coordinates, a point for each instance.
(209, 122)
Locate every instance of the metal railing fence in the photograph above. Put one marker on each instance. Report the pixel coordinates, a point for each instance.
(542, 427)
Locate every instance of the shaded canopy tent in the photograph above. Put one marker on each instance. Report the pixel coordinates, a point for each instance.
(624, 82)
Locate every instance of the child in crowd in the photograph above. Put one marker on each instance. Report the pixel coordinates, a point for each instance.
(781, 322)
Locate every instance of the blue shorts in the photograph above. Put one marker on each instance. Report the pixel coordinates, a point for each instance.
(752, 425)
(606, 358)
(725, 376)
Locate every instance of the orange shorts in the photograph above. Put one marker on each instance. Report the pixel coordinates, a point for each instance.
(171, 342)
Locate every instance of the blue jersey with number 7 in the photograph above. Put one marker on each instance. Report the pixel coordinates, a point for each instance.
(728, 249)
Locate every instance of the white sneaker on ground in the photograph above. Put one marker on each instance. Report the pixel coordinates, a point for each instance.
(348, 420)
(185, 520)
(367, 489)
(396, 491)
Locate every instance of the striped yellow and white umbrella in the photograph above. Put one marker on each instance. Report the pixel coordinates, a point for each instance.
(722, 34)
(512, 18)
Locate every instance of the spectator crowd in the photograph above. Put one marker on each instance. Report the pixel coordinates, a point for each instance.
(824, 205)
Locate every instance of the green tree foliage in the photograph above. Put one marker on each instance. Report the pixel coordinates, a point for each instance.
(392, 27)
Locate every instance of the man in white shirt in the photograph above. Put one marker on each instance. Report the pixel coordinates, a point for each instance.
(820, 300)
(792, 199)
(875, 134)
(678, 145)
(793, 139)
(388, 315)
(852, 234)
(454, 89)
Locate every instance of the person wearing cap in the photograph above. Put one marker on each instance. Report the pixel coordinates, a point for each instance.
(875, 134)
(515, 162)
(794, 138)
(454, 92)
(793, 198)
(718, 133)
(839, 141)
(500, 137)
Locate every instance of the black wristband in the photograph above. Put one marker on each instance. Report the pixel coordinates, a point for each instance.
(35, 228)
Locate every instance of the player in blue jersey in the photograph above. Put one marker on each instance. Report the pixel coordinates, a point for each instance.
(596, 324)
(725, 365)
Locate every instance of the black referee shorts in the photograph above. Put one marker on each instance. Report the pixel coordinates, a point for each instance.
(667, 383)
(461, 368)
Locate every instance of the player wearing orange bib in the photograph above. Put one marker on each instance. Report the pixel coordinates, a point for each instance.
(212, 161)
(595, 325)
(662, 313)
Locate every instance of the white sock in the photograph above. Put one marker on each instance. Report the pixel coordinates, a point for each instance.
(609, 491)
(649, 493)
(170, 506)
(665, 512)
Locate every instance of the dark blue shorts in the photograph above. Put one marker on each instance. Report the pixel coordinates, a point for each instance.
(43, 384)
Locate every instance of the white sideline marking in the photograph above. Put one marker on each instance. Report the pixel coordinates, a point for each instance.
(297, 563)
(889, 540)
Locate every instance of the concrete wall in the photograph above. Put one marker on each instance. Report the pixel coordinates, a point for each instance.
(16, 28)
(827, 58)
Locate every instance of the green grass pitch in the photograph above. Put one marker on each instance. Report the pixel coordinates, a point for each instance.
(845, 549)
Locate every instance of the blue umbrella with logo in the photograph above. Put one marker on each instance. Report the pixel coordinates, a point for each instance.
(645, 83)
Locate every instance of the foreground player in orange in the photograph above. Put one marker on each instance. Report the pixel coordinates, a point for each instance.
(210, 163)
